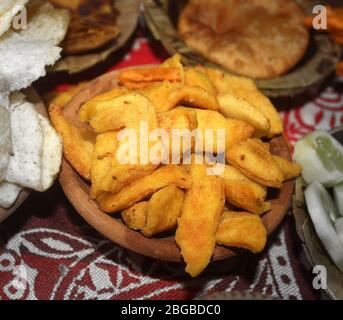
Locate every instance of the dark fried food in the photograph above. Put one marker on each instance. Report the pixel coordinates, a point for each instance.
(93, 25)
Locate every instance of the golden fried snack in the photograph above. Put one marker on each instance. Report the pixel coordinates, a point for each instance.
(145, 187)
(237, 108)
(203, 205)
(179, 118)
(175, 62)
(135, 216)
(170, 70)
(121, 175)
(125, 111)
(243, 230)
(167, 95)
(253, 159)
(104, 152)
(246, 89)
(90, 108)
(68, 4)
(78, 143)
(235, 130)
(164, 208)
(243, 193)
(149, 75)
(130, 85)
(289, 169)
(194, 77)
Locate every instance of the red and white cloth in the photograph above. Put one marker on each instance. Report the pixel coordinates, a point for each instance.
(48, 252)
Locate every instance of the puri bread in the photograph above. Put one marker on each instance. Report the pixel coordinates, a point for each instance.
(93, 25)
(256, 38)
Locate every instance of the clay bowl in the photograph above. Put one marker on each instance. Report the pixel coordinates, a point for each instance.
(112, 227)
(33, 97)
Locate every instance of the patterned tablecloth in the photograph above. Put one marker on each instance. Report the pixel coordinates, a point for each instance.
(48, 252)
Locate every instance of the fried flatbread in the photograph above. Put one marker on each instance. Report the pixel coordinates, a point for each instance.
(93, 25)
(256, 38)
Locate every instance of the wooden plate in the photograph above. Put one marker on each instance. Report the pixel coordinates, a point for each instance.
(315, 252)
(129, 11)
(318, 64)
(77, 191)
(33, 97)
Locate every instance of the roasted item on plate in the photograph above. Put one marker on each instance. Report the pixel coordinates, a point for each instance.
(93, 24)
(260, 39)
(176, 113)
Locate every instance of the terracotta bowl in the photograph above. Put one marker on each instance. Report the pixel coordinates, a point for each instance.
(112, 227)
(34, 98)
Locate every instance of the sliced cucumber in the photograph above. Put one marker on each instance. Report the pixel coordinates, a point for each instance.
(321, 158)
(324, 214)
